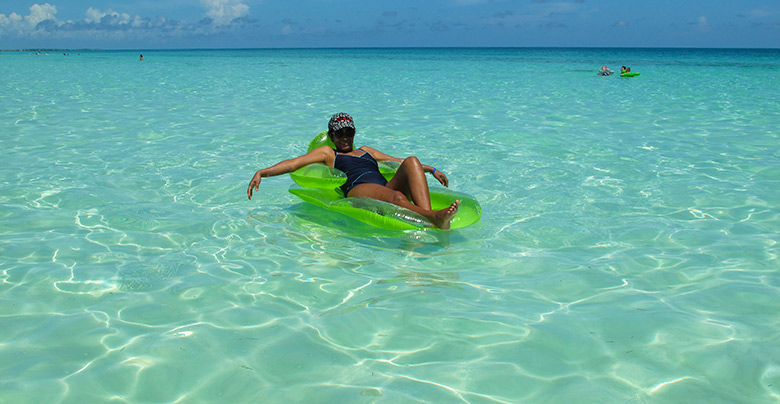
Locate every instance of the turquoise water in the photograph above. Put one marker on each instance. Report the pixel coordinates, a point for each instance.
(627, 252)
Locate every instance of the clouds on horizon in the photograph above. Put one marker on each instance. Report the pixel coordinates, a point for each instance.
(223, 12)
(42, 22)
(222, 16)
(452, 23)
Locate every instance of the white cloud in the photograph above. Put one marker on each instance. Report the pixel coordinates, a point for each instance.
(225, 11)
(759, 13)
(41, 12)
(95, 16)
(41, 23)
(15, 23)
(703, 24)
(138, 21)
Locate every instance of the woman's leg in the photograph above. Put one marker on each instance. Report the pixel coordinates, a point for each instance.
(440, 218)
(411, 181)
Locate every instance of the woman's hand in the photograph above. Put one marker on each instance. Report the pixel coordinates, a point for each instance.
(255, 183)
(442, 178)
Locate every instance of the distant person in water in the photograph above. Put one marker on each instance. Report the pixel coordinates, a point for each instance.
(142, 57)
(408, 188)
(605, 71)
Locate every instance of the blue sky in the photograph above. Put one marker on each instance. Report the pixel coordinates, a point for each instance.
(166, 24)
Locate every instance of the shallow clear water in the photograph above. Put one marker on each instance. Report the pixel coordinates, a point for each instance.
(627, 252)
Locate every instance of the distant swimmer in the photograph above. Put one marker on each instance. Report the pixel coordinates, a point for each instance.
(142, 57)
(626, 72)
(605, 71)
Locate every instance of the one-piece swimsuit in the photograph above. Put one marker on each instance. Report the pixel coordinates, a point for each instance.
(359, 169)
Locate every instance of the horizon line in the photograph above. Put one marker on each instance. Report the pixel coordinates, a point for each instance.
(374, 47)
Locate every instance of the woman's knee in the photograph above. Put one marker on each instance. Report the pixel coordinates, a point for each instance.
(412, 162)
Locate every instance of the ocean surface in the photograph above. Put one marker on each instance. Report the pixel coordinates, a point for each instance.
(627, 250)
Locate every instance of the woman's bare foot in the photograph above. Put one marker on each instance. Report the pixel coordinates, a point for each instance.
(442, 218)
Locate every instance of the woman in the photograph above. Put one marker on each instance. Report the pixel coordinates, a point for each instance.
(408, 188)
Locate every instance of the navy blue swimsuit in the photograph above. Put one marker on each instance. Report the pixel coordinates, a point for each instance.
(359, 169)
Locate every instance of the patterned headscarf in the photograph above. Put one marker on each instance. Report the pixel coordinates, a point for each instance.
(340, 121)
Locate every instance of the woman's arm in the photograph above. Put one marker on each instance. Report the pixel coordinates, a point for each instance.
(379, 156)
(322, 154)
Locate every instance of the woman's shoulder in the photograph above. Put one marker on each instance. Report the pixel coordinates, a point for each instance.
(322, 154)
(324, 149)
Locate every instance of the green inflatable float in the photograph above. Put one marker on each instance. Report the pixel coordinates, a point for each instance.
(319, 185)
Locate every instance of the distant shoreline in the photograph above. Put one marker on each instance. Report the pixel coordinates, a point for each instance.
(45, 50)
(373, 48)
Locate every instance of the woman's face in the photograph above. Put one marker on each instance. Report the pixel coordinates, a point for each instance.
(343, 139)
